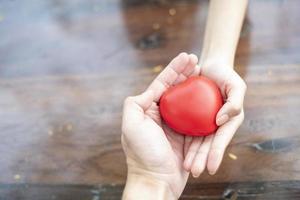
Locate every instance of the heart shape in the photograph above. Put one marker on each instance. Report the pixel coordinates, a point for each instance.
(190, 108)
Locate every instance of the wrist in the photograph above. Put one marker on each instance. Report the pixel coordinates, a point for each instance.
(209, 61)
(146, 186)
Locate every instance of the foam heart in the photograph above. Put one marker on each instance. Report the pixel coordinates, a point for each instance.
(190, 108)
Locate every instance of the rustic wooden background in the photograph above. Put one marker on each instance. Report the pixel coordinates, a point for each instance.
(66, 66)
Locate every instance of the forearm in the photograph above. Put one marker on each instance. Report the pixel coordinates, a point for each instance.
(222, 32)
(143, 187)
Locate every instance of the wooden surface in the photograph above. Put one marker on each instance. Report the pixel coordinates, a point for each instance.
(66, 66)
(210, 191)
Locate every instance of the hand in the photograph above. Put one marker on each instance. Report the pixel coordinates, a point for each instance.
(209, 150)
(153, 151)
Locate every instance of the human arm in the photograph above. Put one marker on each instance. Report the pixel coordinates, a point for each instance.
(222, 32)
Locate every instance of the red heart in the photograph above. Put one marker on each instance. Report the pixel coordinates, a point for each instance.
(190, 108)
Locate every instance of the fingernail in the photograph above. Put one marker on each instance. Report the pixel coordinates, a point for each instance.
(193, 55)
(221, 120)
(212, 173)
(215, 159)
(195, 175)
(186, 167)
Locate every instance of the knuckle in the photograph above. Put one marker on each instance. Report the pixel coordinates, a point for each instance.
(192, 151)
(236, 109)
(201, 152)
(218, 134)
(128, 101)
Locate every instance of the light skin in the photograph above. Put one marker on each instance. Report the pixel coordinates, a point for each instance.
(160, 160)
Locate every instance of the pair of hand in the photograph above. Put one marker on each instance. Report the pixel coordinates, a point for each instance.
(155, 151)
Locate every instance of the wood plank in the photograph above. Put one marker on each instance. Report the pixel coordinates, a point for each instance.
(212, 191)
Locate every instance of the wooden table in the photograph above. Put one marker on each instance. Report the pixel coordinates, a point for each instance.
(66, 66)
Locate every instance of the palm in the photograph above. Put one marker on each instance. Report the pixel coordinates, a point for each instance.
(170, 149)
(175, 140)
(166, 145)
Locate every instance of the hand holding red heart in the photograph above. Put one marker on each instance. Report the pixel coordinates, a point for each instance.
(208, 151)
(154, 150)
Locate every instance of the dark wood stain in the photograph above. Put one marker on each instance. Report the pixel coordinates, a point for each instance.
(153, 40)
(66, 66)
(276, 145)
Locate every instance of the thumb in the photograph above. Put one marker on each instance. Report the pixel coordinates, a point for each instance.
(135, 107)
(145, 99)
(234, 102)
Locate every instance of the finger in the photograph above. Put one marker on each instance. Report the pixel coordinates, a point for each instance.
(200, 159)
(234, 103)
(221, 140)
(153, 113)
(196, 66)
(197, 70)
(169, 75)
(135, 107)
(187, 143)
(192, 152)
(189, 70)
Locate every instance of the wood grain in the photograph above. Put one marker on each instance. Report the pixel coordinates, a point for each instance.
(217, 191)
(66, 66)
